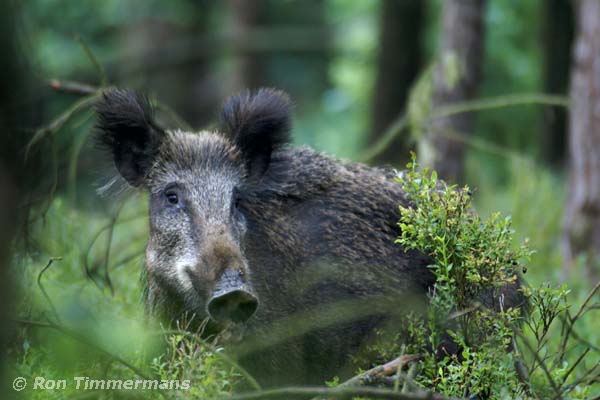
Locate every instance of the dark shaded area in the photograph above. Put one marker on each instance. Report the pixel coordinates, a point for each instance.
(557, 37)
(15, 177)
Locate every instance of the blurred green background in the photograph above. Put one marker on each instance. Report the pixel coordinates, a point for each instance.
(349, 65)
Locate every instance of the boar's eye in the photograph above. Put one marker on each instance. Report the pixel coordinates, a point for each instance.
(172, 196)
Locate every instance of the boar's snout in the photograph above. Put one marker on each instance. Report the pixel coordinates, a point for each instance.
(232, 299)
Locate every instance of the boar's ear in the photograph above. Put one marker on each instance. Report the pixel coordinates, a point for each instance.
(126, 129)
(258, 123)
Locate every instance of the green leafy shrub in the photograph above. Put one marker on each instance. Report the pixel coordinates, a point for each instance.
(474, 261)
(500, 352)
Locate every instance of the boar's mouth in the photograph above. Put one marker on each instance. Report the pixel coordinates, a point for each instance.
(232, 300)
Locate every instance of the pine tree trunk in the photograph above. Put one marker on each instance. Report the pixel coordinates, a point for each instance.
(250, 67)
(558, 32)
(399, 62)
(456, 79)
(198, 92)
(581, 234)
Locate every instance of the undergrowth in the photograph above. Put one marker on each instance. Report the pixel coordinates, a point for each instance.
(70, 325)
(486, 335)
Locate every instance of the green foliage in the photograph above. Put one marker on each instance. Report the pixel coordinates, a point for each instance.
(558, 358)
(187, 358)
(472, 258)
(334, 382)
(471, 255)
(72, 326)
(500, 353)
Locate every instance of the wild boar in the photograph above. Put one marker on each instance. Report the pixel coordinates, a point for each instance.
(289, 249)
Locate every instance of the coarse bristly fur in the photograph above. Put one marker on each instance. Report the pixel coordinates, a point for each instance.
(311, 235)
(259, 124)
(126, 128)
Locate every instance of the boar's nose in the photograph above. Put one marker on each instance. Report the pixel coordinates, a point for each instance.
(232, 299)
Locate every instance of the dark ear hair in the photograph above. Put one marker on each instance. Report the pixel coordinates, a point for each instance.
(257, 123)
(125, 127)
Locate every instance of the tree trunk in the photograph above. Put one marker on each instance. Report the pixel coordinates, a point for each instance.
(199, 93)
(399, 62)
(557, 38)
(581, 233)
(250, 67)
(455, 79)
(15, 179)
(188, 85)
(301, 65)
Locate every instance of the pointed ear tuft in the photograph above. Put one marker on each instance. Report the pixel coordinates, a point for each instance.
(125, 127)
(258, 124)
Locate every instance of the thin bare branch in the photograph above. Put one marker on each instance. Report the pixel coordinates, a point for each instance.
(71, 87)
(541, 362)
(60, 121)
(90, 55)
(571, 322)
(39, 282)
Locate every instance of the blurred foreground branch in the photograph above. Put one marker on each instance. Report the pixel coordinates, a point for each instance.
(336, 393)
